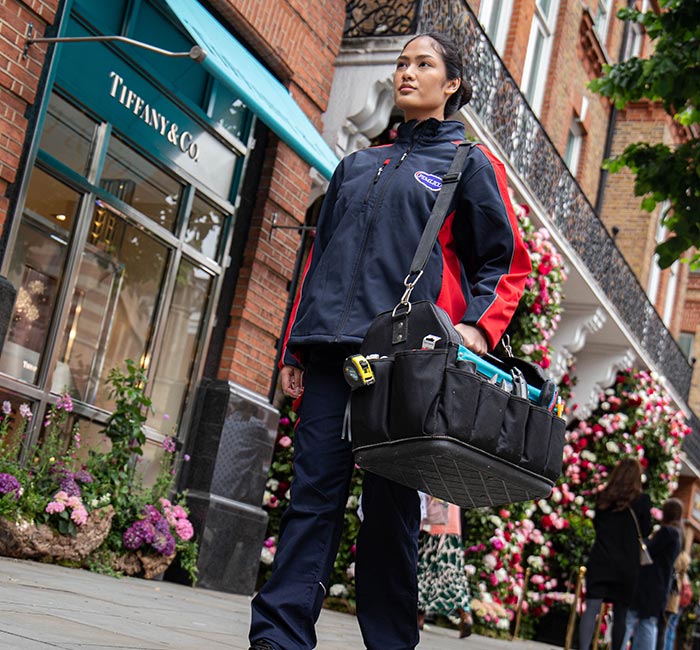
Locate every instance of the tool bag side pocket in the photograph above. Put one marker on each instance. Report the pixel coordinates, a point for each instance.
(490, 415)
(538, 431)
(511, 439)
(459, 404)
(555, 450)
(370, 406)
(416, 387)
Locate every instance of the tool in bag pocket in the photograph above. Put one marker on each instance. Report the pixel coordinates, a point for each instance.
(440, 419)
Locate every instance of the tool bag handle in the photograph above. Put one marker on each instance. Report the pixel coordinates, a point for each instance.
(436, 219)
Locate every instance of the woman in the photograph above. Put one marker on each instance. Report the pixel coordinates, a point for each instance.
(376, 207)
(645, 616)
(613, 563)
(443, 586)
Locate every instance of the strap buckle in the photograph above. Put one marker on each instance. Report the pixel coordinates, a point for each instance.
(451, 178)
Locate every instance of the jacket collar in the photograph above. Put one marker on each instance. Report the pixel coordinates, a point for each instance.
(430, 130)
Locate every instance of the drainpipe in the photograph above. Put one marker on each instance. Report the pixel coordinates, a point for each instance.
(612, 122)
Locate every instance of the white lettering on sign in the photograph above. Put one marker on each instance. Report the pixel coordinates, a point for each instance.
(183, 140)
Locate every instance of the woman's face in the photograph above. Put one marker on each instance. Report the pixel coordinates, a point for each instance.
(421, 87)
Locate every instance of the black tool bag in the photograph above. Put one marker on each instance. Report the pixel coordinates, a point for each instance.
(439, 424)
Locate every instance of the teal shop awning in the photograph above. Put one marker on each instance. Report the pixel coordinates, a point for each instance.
(231, 63)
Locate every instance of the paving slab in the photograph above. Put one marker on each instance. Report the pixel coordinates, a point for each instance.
(44, 607)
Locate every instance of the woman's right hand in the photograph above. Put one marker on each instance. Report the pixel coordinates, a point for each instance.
(292, 379)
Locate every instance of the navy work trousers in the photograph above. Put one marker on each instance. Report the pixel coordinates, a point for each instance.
(289, 604)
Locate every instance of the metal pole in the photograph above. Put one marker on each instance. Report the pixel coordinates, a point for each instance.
(601, 616)
(195, 53)
(519, 611)
(574, 608)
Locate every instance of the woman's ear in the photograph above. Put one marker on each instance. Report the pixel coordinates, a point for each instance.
(452, 86)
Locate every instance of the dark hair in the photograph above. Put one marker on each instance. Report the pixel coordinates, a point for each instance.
(454, 67)
(672, 512)
(623, 487)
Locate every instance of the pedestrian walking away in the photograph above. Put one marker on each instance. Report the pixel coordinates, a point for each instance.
(372, 218)
(613, 563)
(646, 614)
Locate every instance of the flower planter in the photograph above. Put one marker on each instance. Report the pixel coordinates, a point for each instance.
(146, 565)
(28, 541)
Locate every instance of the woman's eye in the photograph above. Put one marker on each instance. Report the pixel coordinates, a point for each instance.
(400, 65)
(424, 64)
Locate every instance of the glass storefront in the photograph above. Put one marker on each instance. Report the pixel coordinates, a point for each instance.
(127, 218)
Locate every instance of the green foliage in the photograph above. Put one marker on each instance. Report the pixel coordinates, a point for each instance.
(57, 490)
(670, 75)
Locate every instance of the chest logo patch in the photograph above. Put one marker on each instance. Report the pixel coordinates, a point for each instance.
(431, 181)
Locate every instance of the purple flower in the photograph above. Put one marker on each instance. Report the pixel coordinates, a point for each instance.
(169, 445)
(83, 476)
(10, 485)
(162, 526)
(145, 530)
(25, 411)
(152, 514)
(65, 402)
(164, 543)
(6, 407)
(131, 539)
(69, 486)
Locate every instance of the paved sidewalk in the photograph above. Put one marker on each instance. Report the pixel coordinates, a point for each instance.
(43, 606)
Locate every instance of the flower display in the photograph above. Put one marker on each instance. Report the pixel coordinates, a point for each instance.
(61, 485)
(539, 311)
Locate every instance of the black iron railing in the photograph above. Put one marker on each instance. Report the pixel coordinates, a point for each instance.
(505, 113)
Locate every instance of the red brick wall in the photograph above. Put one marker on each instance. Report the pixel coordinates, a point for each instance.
(299, 40)
(19, 80)
(642, 122)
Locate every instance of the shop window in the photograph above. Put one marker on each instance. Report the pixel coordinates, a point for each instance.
(36, 269)
(113, 309)
(230, 113)
(68, 134)
(15, 414)
(494, 15)
(180, 344)
(538, 52)
(138, 182)
(204, 228)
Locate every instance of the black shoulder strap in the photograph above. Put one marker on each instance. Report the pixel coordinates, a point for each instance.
(439, 211)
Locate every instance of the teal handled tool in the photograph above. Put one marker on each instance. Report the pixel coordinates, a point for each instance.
(489, 370)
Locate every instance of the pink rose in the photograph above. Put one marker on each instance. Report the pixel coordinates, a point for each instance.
(285, 441)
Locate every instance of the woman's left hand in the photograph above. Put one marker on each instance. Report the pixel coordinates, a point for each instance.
(473, 338)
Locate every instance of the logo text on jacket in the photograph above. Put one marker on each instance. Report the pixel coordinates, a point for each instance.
(431, 181)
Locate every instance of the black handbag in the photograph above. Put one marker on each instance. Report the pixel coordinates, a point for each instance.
(440, 419)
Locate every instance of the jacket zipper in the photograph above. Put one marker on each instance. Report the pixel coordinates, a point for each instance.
(375, 180)
(370, 225)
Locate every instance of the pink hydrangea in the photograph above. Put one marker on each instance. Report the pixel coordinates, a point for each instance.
(79, 515)
(55, 507)
(184, 529)
(179, 512)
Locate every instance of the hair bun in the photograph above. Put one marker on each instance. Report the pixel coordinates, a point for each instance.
(467, 92)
